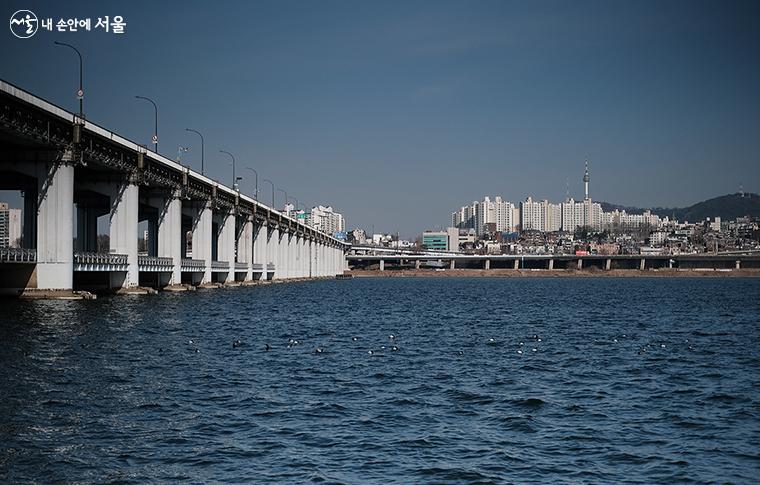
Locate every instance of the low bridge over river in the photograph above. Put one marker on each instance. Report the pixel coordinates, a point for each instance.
(382, 261)
(72, 171)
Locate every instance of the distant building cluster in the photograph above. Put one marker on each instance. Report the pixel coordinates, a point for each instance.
(499, 216)
(321, 218)
(10, 226)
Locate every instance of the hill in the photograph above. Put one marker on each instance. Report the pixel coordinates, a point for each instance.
(726, 207)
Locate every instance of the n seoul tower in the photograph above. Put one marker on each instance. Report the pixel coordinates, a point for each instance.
(586, 178)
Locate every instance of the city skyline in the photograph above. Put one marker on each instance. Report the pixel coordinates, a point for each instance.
(388, 116)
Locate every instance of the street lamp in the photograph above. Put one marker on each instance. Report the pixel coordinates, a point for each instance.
(256, 191)
(265, 180)
(296, 203)
(234, 179)
(202, 149)
(286, 196)
(155, 128)
(80, 92)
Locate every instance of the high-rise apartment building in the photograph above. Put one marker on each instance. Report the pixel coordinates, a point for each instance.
(10, 226)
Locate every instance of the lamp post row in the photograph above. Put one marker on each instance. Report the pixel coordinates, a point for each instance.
(154, 140)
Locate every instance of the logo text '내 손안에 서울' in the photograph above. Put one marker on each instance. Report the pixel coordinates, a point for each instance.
(24, 24)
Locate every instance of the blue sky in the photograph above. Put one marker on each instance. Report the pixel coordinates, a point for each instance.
(397, 113)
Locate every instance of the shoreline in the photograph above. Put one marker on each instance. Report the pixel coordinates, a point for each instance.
(555, 273)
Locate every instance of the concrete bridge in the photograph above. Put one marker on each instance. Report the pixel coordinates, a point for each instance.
(554, 262)
(72, 172)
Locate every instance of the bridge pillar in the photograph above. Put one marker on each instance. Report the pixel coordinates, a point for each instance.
(273, 242)
(738, 264)
(642, 264)
(416, 264)
(245, 247)
(226, 243)
(312, 257)
(608, 264)
(170, 235)
(288, 256)
(382, 265)
(55, 225)
(304, 257)
(202, 234)
(516, 264)
(259, 249)
(123, 231)
(487, 264)
(322, 259)
(452, 264)
(580, 263)
(551, 263)
(282, 240)
(296, 243)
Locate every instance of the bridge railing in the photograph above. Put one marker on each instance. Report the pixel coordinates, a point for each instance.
(18, 255)
(193, 265)
(258, 266)
(155, 262)
(220, 265)
(81, 257)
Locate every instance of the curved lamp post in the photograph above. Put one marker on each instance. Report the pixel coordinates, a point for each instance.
(272, 183)
(234, 178)
(286, 196)
(155, 127)
(80, 93)
(256, 190)
(202, 148)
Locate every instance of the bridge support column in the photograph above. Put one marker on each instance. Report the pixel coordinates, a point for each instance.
(487, 264)
(202, 234)
(642, 264)
(288, 256)
(273, 242)
(282, 240)
(516, 264)
(452, 264)
(304, 257)
(608, 264)
(226, 243)
(580, 263)
(670, 264)
(123, 232)
(551, 263)
(259, 250)
(738, 264)
(55, 225)
(170, 236)
(382, 265)
(245, 247)
(416, 264)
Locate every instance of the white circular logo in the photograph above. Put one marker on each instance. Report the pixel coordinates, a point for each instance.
(24, 24)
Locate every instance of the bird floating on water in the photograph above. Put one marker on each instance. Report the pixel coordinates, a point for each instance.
(236, 344)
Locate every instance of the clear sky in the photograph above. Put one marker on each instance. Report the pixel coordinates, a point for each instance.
(398, 112)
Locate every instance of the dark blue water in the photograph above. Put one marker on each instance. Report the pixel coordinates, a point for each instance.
(633, 380)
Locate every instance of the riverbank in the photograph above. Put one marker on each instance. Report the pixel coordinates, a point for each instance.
(558, 273)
